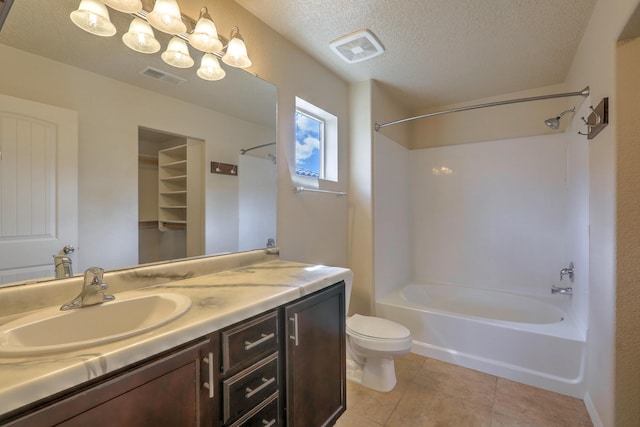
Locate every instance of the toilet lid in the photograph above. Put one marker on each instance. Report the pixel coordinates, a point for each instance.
(376, 327)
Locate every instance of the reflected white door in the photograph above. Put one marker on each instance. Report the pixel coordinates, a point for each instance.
(38, 187)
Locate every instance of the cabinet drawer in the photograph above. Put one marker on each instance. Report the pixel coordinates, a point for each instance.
(243, 344)
(250, 387)
(267, 414)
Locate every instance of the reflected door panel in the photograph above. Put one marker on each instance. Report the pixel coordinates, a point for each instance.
(38, 146)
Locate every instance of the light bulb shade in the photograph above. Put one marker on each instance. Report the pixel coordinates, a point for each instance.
(166, 17)
(140, 37)
(210, 68)
(126, 6)
(93, 17)
(177, 54)
(205, 35)
(236, 55)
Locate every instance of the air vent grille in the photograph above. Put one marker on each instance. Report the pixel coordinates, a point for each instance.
(157, 74)
(357, 47)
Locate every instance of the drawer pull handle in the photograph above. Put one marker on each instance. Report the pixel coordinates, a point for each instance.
(294, 320)
(265, 383)
(248, 345)
(209, 385)
(266, 423)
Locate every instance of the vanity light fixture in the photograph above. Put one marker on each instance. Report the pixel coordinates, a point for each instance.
(166, 17)
(210, 68)
(140, 37)
(205, 35)
(177, 54)
(93, 16)
(126, 6)
(236, 55)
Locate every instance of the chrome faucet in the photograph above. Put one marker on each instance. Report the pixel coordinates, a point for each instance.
(567, 272)
(92, 291)
(62, 266)
(562, 291)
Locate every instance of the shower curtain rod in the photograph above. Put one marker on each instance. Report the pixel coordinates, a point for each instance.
(584, 92)
(243, 150)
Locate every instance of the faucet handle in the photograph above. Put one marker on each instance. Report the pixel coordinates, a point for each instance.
(567, 272)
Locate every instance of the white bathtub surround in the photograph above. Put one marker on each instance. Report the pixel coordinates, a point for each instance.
(223, 290)
(505, 216)
(471, 328)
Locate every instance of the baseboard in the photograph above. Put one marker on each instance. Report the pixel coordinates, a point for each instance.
(591, 409)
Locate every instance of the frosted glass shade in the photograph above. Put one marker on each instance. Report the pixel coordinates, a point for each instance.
(210, 68)
(140, 37)
(236, 55)
(126, 6)
(93, 17)
(177, 54)
(205, 35)
(166, 17)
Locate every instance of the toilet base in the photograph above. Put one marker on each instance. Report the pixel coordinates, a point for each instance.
(377, 373)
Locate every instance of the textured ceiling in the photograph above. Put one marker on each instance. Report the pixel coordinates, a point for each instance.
(440, 52)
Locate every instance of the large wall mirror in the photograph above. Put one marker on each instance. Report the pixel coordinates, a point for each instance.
(144, 162)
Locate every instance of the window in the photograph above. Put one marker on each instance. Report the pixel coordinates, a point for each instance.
(316, 142)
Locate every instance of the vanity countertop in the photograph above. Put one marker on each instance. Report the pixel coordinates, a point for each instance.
(218, 300)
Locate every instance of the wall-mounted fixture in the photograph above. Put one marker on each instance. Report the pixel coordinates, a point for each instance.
(554, 122)
(93, 17)
(597, 120)
(315, 190)
(358, 46)
(584, 92)
(224, 168)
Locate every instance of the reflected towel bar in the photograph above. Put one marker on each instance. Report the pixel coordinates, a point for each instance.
(313, 190)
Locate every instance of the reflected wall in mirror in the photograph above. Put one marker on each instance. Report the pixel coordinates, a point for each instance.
(97, 80)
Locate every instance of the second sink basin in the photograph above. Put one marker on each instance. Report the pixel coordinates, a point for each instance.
(51, 330)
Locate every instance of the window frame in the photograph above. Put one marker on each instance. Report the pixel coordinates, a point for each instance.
(328, 140)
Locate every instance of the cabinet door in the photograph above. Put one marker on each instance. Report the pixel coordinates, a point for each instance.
(315, 330)
(168, 391)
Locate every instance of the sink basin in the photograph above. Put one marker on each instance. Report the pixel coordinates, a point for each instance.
(51, 330)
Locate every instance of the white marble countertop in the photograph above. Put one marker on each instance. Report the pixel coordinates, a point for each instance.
(218, 300)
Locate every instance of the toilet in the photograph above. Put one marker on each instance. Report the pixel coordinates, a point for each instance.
(372, 344)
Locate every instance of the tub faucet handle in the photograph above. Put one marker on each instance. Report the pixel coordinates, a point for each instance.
(567, 272)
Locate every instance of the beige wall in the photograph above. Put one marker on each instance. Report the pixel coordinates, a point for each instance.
(368, 104)
(360, 199)
(627, 347)
(311, 227)
(594, 64)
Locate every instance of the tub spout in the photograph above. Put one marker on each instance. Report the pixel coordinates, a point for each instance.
(563, 291)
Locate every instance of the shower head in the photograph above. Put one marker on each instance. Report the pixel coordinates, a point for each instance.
(554, 122)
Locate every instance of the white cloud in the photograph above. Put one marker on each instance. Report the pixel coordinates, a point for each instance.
(305, 149)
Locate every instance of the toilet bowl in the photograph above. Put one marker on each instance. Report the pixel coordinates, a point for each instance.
(372, 344)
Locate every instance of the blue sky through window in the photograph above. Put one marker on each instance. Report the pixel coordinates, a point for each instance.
(308, 134)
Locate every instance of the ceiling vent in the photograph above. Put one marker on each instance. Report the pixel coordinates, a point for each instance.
(357, 47)
(154, 73)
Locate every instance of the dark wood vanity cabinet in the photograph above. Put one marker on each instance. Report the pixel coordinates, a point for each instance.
(285, 367)
(315, 354)
(172, 390)
(251, 372)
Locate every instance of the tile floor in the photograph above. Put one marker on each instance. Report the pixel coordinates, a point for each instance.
(433, 393)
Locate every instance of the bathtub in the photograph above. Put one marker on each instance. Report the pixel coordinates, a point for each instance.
(531, 340)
